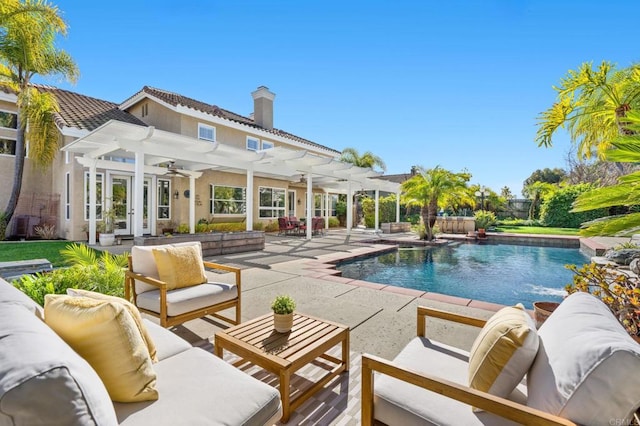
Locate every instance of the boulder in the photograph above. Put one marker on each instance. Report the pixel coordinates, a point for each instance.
(634, 266)
(622, 256)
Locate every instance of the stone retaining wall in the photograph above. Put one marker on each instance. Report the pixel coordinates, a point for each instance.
(213, 244)
(395, 227)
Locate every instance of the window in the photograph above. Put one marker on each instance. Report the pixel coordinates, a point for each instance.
(7, 146)
(164, 199)
(271, 202)
(99, 195)
(8, 120)
(267, 145)
(227, 199)
(67, 196)
(207, 133)
(333, 201)
(253, 144)
(145, 110)
(317, 203)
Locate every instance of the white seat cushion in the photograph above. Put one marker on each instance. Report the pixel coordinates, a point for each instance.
(401, 403)
(188, 299)
(588, 367)
(167, 343)
(198, 388)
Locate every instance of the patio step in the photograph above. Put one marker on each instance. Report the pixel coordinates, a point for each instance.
(16, 268)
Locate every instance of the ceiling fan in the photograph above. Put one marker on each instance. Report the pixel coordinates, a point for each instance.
(173, 170)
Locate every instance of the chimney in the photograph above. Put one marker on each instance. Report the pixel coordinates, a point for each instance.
(263, 107)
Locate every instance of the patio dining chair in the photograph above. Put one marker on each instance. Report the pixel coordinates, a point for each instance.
(284, 226)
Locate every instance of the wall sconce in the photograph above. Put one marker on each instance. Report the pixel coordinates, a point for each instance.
(176, 195)
(299, 201)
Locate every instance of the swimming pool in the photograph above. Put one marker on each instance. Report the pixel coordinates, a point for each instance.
(498, 273)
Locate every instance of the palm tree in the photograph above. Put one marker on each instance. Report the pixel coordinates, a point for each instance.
(27, 34)
(536, 192)
(593, 105)
(625, 149)
(368, 159)
(430, 188)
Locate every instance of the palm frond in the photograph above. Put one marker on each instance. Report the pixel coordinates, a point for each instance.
(79, 254)
(620, 225)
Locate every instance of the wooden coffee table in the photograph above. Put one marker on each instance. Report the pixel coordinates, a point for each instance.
(283, 354)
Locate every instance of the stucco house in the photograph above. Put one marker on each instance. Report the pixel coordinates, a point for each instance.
(189, 160)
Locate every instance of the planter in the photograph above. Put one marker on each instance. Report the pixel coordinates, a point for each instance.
(107, 239)
(283, 322)
(482, 233)
(542, 310)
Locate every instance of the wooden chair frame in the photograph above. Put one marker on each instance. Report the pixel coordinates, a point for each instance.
(499, 406)
(169, 321)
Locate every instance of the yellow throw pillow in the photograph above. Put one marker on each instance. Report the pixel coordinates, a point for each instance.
(503, 351)
(135, 314)
(107, 337)
(180, 266)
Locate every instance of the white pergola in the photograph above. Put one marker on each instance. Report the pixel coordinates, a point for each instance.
(141, 149)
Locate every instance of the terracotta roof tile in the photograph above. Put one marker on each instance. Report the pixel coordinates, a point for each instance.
(84, 112)
(175, 99)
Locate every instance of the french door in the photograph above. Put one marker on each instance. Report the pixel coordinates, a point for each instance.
(122, 196)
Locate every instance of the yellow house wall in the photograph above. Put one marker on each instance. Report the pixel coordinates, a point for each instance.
(158, 116)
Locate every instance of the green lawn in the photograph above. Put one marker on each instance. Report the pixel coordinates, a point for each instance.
(536, 230)
(27, 250)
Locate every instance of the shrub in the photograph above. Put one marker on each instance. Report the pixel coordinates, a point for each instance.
(46, 232)
(201, 227)
(484, 219)
(104, 274)
(334, 222)
(227, 227)
(619, 291)
(271, 227)
(387, 210)
(183, 228)
(556, 208)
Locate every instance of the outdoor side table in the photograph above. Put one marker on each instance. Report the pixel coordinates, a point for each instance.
(283, 354)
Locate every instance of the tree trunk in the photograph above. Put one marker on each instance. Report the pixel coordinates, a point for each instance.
(424, 214)
(532, 207)
(17, 173)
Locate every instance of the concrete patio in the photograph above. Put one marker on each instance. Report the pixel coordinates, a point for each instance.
(382, 318)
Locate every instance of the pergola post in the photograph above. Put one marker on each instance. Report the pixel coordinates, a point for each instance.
(192, 205)
(377, 213)
(138, 202)
(309, 206)
(349, 208)
(398, 207)
(249, 212)
(326, 210)
(93, 183)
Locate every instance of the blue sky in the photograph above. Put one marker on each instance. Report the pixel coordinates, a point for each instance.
(453, 83)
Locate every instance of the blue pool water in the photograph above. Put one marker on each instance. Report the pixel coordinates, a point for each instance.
(498, 273)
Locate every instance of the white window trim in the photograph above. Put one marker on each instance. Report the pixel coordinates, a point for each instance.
(257, 140)
(9, 112)
(67, 196)
(272, 208)
(158, 198)
(207, 127)
(15, 141)
(99, 202)
(212, 188)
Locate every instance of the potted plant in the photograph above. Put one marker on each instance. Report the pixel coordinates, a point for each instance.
(283, 307)
(106, 228)
(484, 219)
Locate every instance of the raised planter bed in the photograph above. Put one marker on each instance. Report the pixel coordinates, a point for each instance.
(213, 244)
(395, 227)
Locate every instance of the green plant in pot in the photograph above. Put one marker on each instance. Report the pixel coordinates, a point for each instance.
(106, 228)
(283, 307)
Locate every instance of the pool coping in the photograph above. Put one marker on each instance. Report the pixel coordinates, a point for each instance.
(324, 266)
